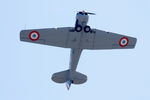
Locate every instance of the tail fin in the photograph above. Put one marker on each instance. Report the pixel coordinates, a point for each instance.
(64, 76)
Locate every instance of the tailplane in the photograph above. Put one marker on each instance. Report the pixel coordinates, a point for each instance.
(69, 78)
(61, 77)
(78, 78)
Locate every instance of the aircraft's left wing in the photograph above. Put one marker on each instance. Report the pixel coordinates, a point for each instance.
(109, 40)
(98, 39)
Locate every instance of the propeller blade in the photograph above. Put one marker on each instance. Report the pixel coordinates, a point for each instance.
(90, 13)
(84, 12)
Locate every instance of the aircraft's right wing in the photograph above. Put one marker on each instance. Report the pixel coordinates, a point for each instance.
(49, 36)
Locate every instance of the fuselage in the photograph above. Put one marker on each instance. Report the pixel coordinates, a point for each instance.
(81, 19)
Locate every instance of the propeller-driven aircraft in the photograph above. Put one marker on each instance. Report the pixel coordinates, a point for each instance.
(78, 38)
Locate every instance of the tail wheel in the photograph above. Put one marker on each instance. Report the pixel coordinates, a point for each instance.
(87, 29)
(78, 28)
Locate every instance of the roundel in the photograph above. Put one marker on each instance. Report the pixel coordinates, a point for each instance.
(123, 41)
(34, 35)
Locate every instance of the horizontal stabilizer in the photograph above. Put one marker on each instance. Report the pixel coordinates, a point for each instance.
(61, 77)
(79, 78)
(64, 76)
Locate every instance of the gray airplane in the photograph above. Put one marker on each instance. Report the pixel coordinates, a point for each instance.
(78, 38)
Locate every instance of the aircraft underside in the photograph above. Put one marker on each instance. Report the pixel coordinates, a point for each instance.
(77, 38)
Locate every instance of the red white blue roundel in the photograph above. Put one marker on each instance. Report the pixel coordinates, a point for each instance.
(34, 35)
(123, 41)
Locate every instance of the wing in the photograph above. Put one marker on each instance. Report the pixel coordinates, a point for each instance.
(66, 37)
(50, 36)
(98, 39)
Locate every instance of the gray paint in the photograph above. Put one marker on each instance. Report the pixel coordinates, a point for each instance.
(62, 37)
(67, 37)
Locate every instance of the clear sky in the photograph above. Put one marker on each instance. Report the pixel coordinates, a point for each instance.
(26, 68)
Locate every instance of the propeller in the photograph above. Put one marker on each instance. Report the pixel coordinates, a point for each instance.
(84, 12)
(90, 13)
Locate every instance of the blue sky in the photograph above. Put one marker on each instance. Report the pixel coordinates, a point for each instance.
(26, 69)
